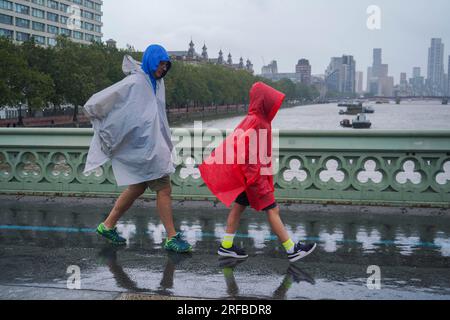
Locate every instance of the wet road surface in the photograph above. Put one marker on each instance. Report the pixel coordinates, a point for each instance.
(40, 241)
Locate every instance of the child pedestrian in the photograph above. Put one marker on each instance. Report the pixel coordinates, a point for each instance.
(247, 179)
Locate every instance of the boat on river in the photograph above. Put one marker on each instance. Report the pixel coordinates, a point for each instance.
(360, 122)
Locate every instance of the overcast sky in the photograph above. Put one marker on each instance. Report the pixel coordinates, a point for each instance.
(285, 30)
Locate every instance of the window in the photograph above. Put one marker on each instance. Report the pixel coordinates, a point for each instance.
(39, 2)
(38, 13)
(65, 32)
(97, 28)
(80, 2)
(39, 39)
(97, 17)
(63, 19)
(6, 33)
(78, 35)
(23, 23)
(87, 15)
(6, 5)
(97, 39)
(20, 36)
(52, 17)
(38, 26)
(52, 4)
(88, 26)
(52, 29)
(22, 9)
(97, 7)
(5, 19)
(89, 4)
(88, 37)
(51, 42)
(64, 8)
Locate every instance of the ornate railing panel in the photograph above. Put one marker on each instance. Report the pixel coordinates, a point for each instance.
(355, 167)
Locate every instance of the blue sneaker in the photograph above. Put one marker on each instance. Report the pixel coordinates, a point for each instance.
(301, 251)
(177, 244)
(111, 235)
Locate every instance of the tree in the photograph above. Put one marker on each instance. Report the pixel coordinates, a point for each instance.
(20, 82)
(70, 73)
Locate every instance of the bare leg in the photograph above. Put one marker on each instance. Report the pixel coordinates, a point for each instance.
(277, 225)
(123, 203)
(234, 218)
(164, 204)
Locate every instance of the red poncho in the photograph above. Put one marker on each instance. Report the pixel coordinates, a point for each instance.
(243, 162)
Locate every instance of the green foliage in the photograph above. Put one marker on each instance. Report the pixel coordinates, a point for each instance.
(70, 73)
(21, 81)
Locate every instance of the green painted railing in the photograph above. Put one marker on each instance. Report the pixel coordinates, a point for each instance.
(349, 167)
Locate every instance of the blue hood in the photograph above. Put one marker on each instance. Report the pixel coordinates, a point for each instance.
(150, 62)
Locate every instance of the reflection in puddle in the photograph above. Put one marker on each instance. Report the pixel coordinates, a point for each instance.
(331, 234)
(36, 245)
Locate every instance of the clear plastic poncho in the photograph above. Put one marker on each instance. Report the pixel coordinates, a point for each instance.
(131, 128)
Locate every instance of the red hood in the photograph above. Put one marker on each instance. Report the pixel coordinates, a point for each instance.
(265, 101)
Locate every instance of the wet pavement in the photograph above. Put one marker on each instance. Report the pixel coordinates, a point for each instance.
(41, 238)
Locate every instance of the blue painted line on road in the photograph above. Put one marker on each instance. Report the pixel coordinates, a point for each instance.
(36, 228)
(213, 235)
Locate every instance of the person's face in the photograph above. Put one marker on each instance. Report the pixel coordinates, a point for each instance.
(162, 69)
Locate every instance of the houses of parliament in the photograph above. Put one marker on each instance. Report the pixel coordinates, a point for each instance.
(191, 56)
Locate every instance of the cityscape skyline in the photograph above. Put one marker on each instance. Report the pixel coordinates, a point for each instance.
(296, 74)
(341, 75)
(315, 31)
(431, 59)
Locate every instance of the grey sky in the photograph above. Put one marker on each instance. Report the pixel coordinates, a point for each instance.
(285, 30)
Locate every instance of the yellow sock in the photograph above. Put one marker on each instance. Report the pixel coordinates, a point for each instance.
(289, 246)
(227, 241)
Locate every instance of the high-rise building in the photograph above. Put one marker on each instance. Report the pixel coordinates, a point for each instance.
(271, 68)
(377, 67)
(377, 56)
(340, 75)
(359, 82)
(378, 81)
(332, 74)
(435, 75)
(373, 73)
(386, 85)
(404, 88)
(349, 74)
(417, 82)
(44, 20)
(448, 77)
(303, 68)
(416, 72)
(403, 80)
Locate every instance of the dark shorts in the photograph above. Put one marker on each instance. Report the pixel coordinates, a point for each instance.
(242, 199)
(159, 184)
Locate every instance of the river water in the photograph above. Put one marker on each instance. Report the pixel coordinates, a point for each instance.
(409, 115)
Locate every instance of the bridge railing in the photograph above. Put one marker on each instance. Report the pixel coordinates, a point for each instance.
(349, 167)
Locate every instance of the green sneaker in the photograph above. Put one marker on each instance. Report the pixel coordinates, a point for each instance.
(177, 244)
(111, 234)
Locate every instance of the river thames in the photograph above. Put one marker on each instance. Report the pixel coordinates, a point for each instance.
(409, 115)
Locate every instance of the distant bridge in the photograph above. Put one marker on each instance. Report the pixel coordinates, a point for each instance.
(409, 98)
